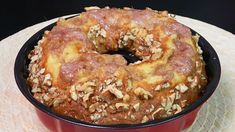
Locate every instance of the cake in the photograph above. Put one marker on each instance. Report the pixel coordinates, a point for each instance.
(72, 72)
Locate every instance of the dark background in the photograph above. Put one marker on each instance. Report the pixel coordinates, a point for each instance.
(16, 15)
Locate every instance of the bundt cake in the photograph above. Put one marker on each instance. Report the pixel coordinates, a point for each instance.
(72, 71)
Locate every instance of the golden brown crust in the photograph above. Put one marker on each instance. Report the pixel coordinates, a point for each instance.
(70, 72)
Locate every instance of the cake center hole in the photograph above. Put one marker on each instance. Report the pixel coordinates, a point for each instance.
(130, 57)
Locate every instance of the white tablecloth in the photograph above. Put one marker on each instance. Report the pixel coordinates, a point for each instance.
(17, 114)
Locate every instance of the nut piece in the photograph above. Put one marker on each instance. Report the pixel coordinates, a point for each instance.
(95, 117)
(157, 88)
(86, 97)
(95, 32)
(89, 83)
(36, 90)
(47, 80)
(136, 107)
(46, 97)
(126, 98)
(155, 112)
(89, 90)
(119, 83)
(166, 85)
(42, 71)
(145, 119)
(183, 103)
(168, 102)
(150, 109)
(149, 39)
(122, 105)
(143, 93)
(93, 107)
(125, 38)
(195, 82)
(139, 32)
(155, 50)
(91, 8)
(73, 93)
(177, 95)
(190, 79)
(196, 38)
(52, 90)
(133, 117)
(177, 108)
(112, 89)
(108, 81)
(181, 87)
(129, 85)
(57, 101)
(34, 58)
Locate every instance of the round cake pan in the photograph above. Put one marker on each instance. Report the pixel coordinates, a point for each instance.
(59, 123)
